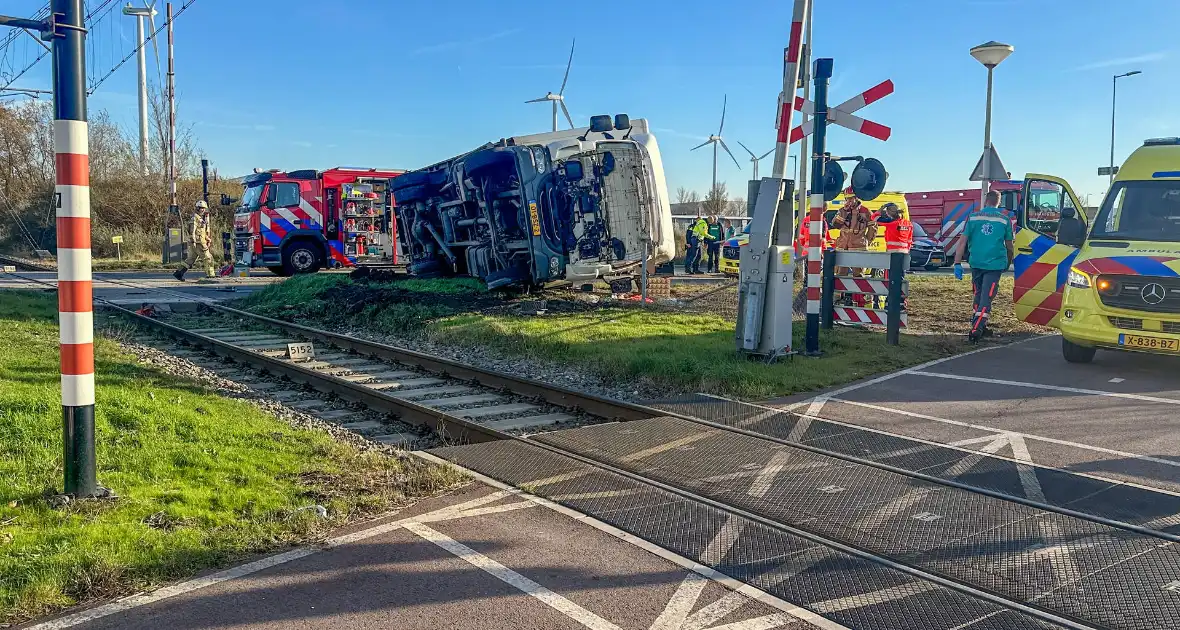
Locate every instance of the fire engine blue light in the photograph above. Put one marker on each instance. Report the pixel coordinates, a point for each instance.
(1166, 174)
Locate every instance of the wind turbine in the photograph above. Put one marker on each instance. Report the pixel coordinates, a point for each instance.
(559, 98)
(717, 140)
(754, 158)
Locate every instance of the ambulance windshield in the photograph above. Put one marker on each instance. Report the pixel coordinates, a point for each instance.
(251, 197)
(1140, 211)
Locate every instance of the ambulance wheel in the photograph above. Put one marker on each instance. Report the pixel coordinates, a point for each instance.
(1074, 353)
(300, 257)
(278, 271)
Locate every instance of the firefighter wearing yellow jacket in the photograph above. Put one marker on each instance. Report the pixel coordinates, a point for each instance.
(201, 242)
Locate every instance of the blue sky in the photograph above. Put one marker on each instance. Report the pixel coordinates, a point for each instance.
(303, 83)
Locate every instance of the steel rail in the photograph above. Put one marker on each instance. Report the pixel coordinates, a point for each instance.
(592, 404)
(851, 549)
(616, 409)
(447, 426)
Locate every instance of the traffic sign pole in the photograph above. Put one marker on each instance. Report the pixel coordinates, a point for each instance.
(74, 289)
(822, 73)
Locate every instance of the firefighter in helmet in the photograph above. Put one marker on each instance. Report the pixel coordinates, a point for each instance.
(855, 223)
(201, 239)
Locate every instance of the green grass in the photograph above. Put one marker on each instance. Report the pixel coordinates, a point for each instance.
(202, 480)
(678, 352)
(334, 299)
(660, 349)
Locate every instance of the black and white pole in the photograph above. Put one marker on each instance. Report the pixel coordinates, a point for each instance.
(823, 72)
(74, 282)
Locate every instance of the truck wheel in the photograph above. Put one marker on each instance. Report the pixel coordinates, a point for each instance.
(410, 194)
(300, 257)
(483, 159)
(418, 178)
(279, 271)
(1074, 353)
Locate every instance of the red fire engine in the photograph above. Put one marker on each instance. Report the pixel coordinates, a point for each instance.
(302, 221)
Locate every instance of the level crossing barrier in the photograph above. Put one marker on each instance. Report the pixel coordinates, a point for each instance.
(893, 287)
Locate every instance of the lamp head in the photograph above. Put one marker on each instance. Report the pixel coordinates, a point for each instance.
(991, 53)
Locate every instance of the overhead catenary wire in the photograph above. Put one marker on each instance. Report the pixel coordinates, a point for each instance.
(135, 50)
(94, 15)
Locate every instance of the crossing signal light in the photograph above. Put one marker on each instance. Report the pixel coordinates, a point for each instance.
(833, 180)
(868, 179)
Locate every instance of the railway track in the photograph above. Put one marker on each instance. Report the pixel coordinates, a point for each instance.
(868, 544)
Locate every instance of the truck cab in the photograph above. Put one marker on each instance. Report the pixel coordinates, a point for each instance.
(301, 221)
(574, 205)
(1109, 281)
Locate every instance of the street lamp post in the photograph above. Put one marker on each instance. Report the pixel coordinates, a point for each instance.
(1114, 87)
(990, 55)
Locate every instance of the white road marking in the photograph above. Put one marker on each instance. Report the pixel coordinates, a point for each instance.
(167, 592)
(667, 446)
(799, 467)
(767, 475)
(1028, 475)
(605, 494)
(1027, 436)
(795, 612)
(1054, 388)
(508, 576)
(1116, 380)
(769, 413)
(877, 597)
(681, 603)
(892, 509)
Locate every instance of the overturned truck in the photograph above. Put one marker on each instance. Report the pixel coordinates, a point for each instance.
(575, 205)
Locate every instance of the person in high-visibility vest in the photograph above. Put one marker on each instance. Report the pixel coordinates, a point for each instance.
(899, 231)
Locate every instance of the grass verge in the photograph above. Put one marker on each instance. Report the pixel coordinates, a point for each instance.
(659, 349)
(203, 480)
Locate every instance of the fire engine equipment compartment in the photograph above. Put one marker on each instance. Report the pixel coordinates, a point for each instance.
(302, 221)
(575, 205)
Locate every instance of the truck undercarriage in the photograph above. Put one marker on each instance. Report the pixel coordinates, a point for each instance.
(574, 205)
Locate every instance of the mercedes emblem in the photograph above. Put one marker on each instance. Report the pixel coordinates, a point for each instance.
(1153, 293)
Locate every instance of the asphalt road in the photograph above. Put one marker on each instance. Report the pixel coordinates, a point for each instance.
(1117, 418)
(113, 285)
(478, 559)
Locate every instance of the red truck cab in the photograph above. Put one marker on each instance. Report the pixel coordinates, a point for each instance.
(302, 221)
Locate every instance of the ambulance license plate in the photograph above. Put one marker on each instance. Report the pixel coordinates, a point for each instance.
(1149, 343)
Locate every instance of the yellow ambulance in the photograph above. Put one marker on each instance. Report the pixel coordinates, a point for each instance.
(1112, 280)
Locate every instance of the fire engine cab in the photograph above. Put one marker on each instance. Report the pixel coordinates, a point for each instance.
(303, 221)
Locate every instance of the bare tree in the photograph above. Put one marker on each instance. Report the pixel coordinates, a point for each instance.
(717, 200)
(684, 195)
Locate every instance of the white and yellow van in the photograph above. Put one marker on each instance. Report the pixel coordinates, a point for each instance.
(1111, 280)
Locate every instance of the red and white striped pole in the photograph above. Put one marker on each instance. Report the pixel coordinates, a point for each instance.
(823, 72)
(74, 291)
(786, 98)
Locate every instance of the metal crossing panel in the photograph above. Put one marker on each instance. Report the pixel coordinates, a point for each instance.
(852, 591)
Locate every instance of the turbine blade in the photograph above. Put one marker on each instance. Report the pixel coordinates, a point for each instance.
(724, 102)
(700, 145)
(766, 154)
(155, 46)
(567, 70)
(538, 100)
(730, 154)
(567, 114)
(748, 150)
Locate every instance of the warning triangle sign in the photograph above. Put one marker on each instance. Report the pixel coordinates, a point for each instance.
(989, 166)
